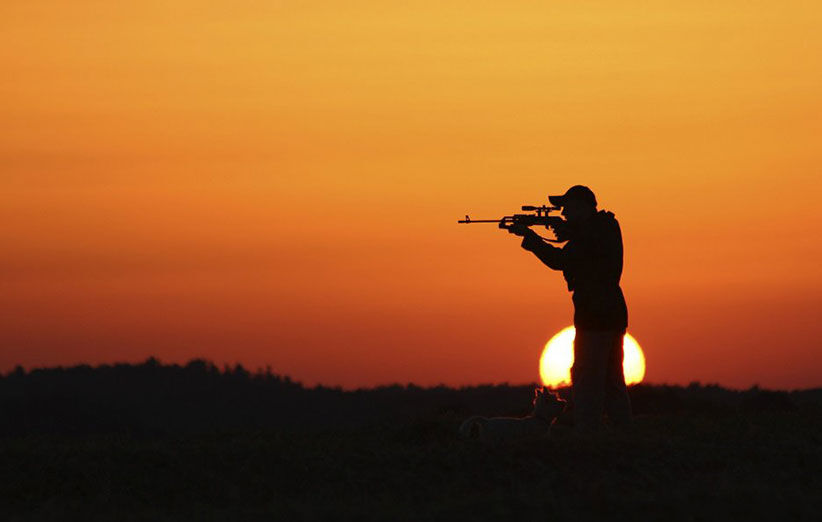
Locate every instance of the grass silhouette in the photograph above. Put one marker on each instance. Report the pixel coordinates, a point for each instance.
(194, 442)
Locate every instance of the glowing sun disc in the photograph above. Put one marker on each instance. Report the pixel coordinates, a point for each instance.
(558, 357)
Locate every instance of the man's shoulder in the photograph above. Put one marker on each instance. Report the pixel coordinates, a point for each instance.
(606, 221)
(603, 228)
(603, 222)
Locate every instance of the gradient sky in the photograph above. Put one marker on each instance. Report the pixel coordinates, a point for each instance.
(278, 183)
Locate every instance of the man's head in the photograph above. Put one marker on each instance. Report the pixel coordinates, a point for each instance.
(578, 203)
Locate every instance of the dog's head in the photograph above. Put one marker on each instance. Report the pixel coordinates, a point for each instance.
(547, 403)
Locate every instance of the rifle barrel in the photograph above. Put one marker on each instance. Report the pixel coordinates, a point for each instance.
(479, 220)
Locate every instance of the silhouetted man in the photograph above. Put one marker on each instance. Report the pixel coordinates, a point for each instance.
(591, 262)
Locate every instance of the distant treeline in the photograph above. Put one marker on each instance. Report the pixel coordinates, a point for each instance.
(164, 399)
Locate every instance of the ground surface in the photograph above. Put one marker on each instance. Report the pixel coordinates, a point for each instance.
(695, 453)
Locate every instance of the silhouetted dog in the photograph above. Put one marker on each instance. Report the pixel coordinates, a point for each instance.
(547, 406)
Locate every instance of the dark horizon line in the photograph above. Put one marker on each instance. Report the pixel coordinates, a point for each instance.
(238, 370)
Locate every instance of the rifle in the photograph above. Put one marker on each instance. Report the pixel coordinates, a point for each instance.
(542, 217)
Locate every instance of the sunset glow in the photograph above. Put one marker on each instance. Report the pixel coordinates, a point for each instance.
(558, 357)
(278, 183)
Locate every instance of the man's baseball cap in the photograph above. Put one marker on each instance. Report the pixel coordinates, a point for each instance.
(577, 192)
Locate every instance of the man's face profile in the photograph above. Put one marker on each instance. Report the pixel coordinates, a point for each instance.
(575, 210)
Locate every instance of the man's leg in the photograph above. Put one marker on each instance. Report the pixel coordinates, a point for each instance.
(617, 403)
(588, 375)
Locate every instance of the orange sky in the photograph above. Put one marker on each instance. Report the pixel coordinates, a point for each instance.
(278, 183)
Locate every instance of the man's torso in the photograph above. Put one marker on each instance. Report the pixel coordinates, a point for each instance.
(593, 270)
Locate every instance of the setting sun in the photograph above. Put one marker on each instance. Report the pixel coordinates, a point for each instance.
(558, 357)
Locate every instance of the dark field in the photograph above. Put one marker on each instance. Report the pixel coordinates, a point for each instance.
(153, 442)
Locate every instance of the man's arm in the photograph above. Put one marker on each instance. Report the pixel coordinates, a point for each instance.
(552, 256)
